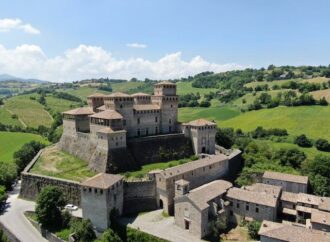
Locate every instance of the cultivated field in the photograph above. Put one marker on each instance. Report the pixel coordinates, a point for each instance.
(29, 111)
(321, 93)
(13, 141)
(59, 104)
(7, 119)
(185, 88)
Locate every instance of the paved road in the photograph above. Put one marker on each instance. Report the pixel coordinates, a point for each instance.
(154, 223)
(14, 219)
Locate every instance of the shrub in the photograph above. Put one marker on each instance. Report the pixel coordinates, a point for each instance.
(110, 236)
(48, 209)
(24, 155)
(225, 137)
(134, 235)
(322, 144)
(290, 157)
(303, 141)
(83, 230)
(253, 229)
(3, 197)
(8, 174)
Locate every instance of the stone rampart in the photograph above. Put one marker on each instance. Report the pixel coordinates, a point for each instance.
(160, 148)
(139, 196)
(32, 184)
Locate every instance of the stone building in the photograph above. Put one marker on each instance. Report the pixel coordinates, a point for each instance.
(104, 129)
(99, 195)
(202, 133)
(320, 220)
(280, 232)
(197, 173)
(197, 208)
(256, 202)
(289, 182)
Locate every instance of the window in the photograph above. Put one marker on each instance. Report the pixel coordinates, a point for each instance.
(138, 120)
(156, 119)
(101, 191)
(90, 189)
(247, 207)
(257, 210)
(170, 121)
(231, 213)
(237, 205)
(124, 122)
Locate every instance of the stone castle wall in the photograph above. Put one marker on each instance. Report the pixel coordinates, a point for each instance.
(160, 148)
(139, 196)
(32, 184)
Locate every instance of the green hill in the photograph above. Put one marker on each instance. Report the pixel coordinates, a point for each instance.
(13, 141)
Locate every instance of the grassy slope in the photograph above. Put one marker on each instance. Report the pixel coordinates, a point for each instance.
(59, 104)
(321, 93)
(213, 113)
(61, 165)
(310, 120)
(5, 118)
(12, 141)
(185, 88)
(29, 111)
(125, 87)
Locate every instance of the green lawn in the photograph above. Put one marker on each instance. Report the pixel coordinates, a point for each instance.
(155, 166)
(212, 113)
(56, 163)
(6, 118)
(13, 141)
(310, 120)
(29, 111)
(185, 88)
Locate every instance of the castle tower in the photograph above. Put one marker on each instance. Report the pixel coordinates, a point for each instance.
(95, 100)
(123, 104)
(165, 96)
(99, 196)
(181, 187)
(202, 134)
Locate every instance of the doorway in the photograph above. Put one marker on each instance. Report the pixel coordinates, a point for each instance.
(203, 150)
(186, 224)
(161, 203)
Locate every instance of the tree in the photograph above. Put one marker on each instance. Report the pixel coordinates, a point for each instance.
(218, 225)
(1, 101)
(253, 229)
(50, 201)
(205, 104)
(83, 230)
(225, 137)
(24, 155)
(8, 174)
(110, 236)
(322, 144)
(290, 157)
(323, 101)
(320, 185)
(303, 141)
(3, 196)
(3, 237)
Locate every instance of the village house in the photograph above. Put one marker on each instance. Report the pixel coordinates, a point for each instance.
(197, 208)
(289, 182)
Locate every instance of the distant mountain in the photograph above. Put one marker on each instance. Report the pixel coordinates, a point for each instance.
(5, 77)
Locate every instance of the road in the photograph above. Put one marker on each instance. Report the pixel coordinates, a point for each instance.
(14, 219)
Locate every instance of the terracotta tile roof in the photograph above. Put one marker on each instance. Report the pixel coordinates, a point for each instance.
(285, 177)
(80, 111)
(325, 204)
(320, 217)
(109, 130)
(102, 180)
(200, 122)
(308, 199)
(182, 182)
(140, 107)
(101, 108)
(164, 83)
(291, 233)
(107, 114)
(118, 94)
(289, 197)
(140, 94)
(260, 194)
(96, 95)
(190, 166)
(200, 196)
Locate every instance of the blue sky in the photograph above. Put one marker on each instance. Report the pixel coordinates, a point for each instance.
(221, 34)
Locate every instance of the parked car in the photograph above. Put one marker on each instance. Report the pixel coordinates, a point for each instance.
(71, 207)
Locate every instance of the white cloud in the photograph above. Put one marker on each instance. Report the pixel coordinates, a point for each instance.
(136, 45)
(95, 62)
(8, 24)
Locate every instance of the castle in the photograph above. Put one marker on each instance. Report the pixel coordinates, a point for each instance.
(96, 132)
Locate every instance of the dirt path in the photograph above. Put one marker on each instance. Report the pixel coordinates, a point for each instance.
(21, 121)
